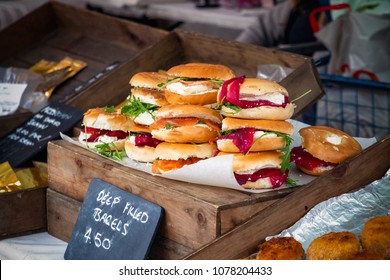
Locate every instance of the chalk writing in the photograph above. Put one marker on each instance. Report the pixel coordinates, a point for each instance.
(111, 221)
(32, 136)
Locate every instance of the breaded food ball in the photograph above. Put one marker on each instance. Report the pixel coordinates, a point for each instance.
(281, 248)
(375, 236)
(334, 246)
(367, 255)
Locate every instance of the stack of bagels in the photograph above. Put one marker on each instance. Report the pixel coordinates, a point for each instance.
(196, 111)
(255, 131)
(189, 125)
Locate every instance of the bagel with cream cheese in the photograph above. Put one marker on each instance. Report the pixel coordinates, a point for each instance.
(253, 98)
(146, 97)
(243, 135)
(322, 149)
(260, 170)
(105, 126)
(140, 145)
(186, 124)
(172, 156)
(195, 83)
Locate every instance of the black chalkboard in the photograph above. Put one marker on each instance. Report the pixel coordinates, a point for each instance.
(113, 225)
(31, 137)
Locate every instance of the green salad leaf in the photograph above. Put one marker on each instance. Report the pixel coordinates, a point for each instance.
(134, 107)
(109, 150)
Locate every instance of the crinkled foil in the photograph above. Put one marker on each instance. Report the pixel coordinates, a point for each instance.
(347, 212)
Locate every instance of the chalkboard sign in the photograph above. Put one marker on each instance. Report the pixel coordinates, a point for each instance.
(32, 136)
(113, 225)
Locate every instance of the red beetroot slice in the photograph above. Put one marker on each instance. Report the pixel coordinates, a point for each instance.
(146, 139)
(95, 133)
(231, 90)
(306, 160)
(274, 174)
(242, 138)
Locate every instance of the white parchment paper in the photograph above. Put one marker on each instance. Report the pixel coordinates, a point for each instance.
(217, 171)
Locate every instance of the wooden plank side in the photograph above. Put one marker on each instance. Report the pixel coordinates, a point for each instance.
(186, 220)
(22, 212)
(232, 217)
(62, 214)
(349, 176)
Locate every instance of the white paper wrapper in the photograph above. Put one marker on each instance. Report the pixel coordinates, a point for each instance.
(347, 212)
(217, 171)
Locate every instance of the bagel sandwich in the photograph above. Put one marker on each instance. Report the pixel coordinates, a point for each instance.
(260, 170)
(146, 97)
(195, 83)
(172, 156)
(323, 148)
(140, 145)
(186, 124)
(245, 135)
(105, 130)
(253, 98)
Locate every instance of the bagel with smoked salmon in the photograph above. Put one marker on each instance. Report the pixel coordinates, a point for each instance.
(172, 156)
(186, 124)
(195, 83)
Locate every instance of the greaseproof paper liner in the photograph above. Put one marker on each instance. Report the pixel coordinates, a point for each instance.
(217, 171)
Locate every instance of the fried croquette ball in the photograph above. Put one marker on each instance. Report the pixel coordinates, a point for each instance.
(334, 246)
(281, 248)
(367, 255)
(375, 236)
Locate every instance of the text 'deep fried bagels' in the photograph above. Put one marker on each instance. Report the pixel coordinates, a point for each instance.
(243, 136)
(195, 83)
(254, 98)
(323, 148)
(186, 124)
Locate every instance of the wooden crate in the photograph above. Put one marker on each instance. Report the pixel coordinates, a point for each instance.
(22, 212)
(243, 241)
(56, 30)
(194, 214)
(62, 213)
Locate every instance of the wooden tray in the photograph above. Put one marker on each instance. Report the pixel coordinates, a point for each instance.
(193, 214)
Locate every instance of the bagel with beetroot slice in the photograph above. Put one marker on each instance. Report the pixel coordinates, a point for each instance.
(253, 98)
(322, 149)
